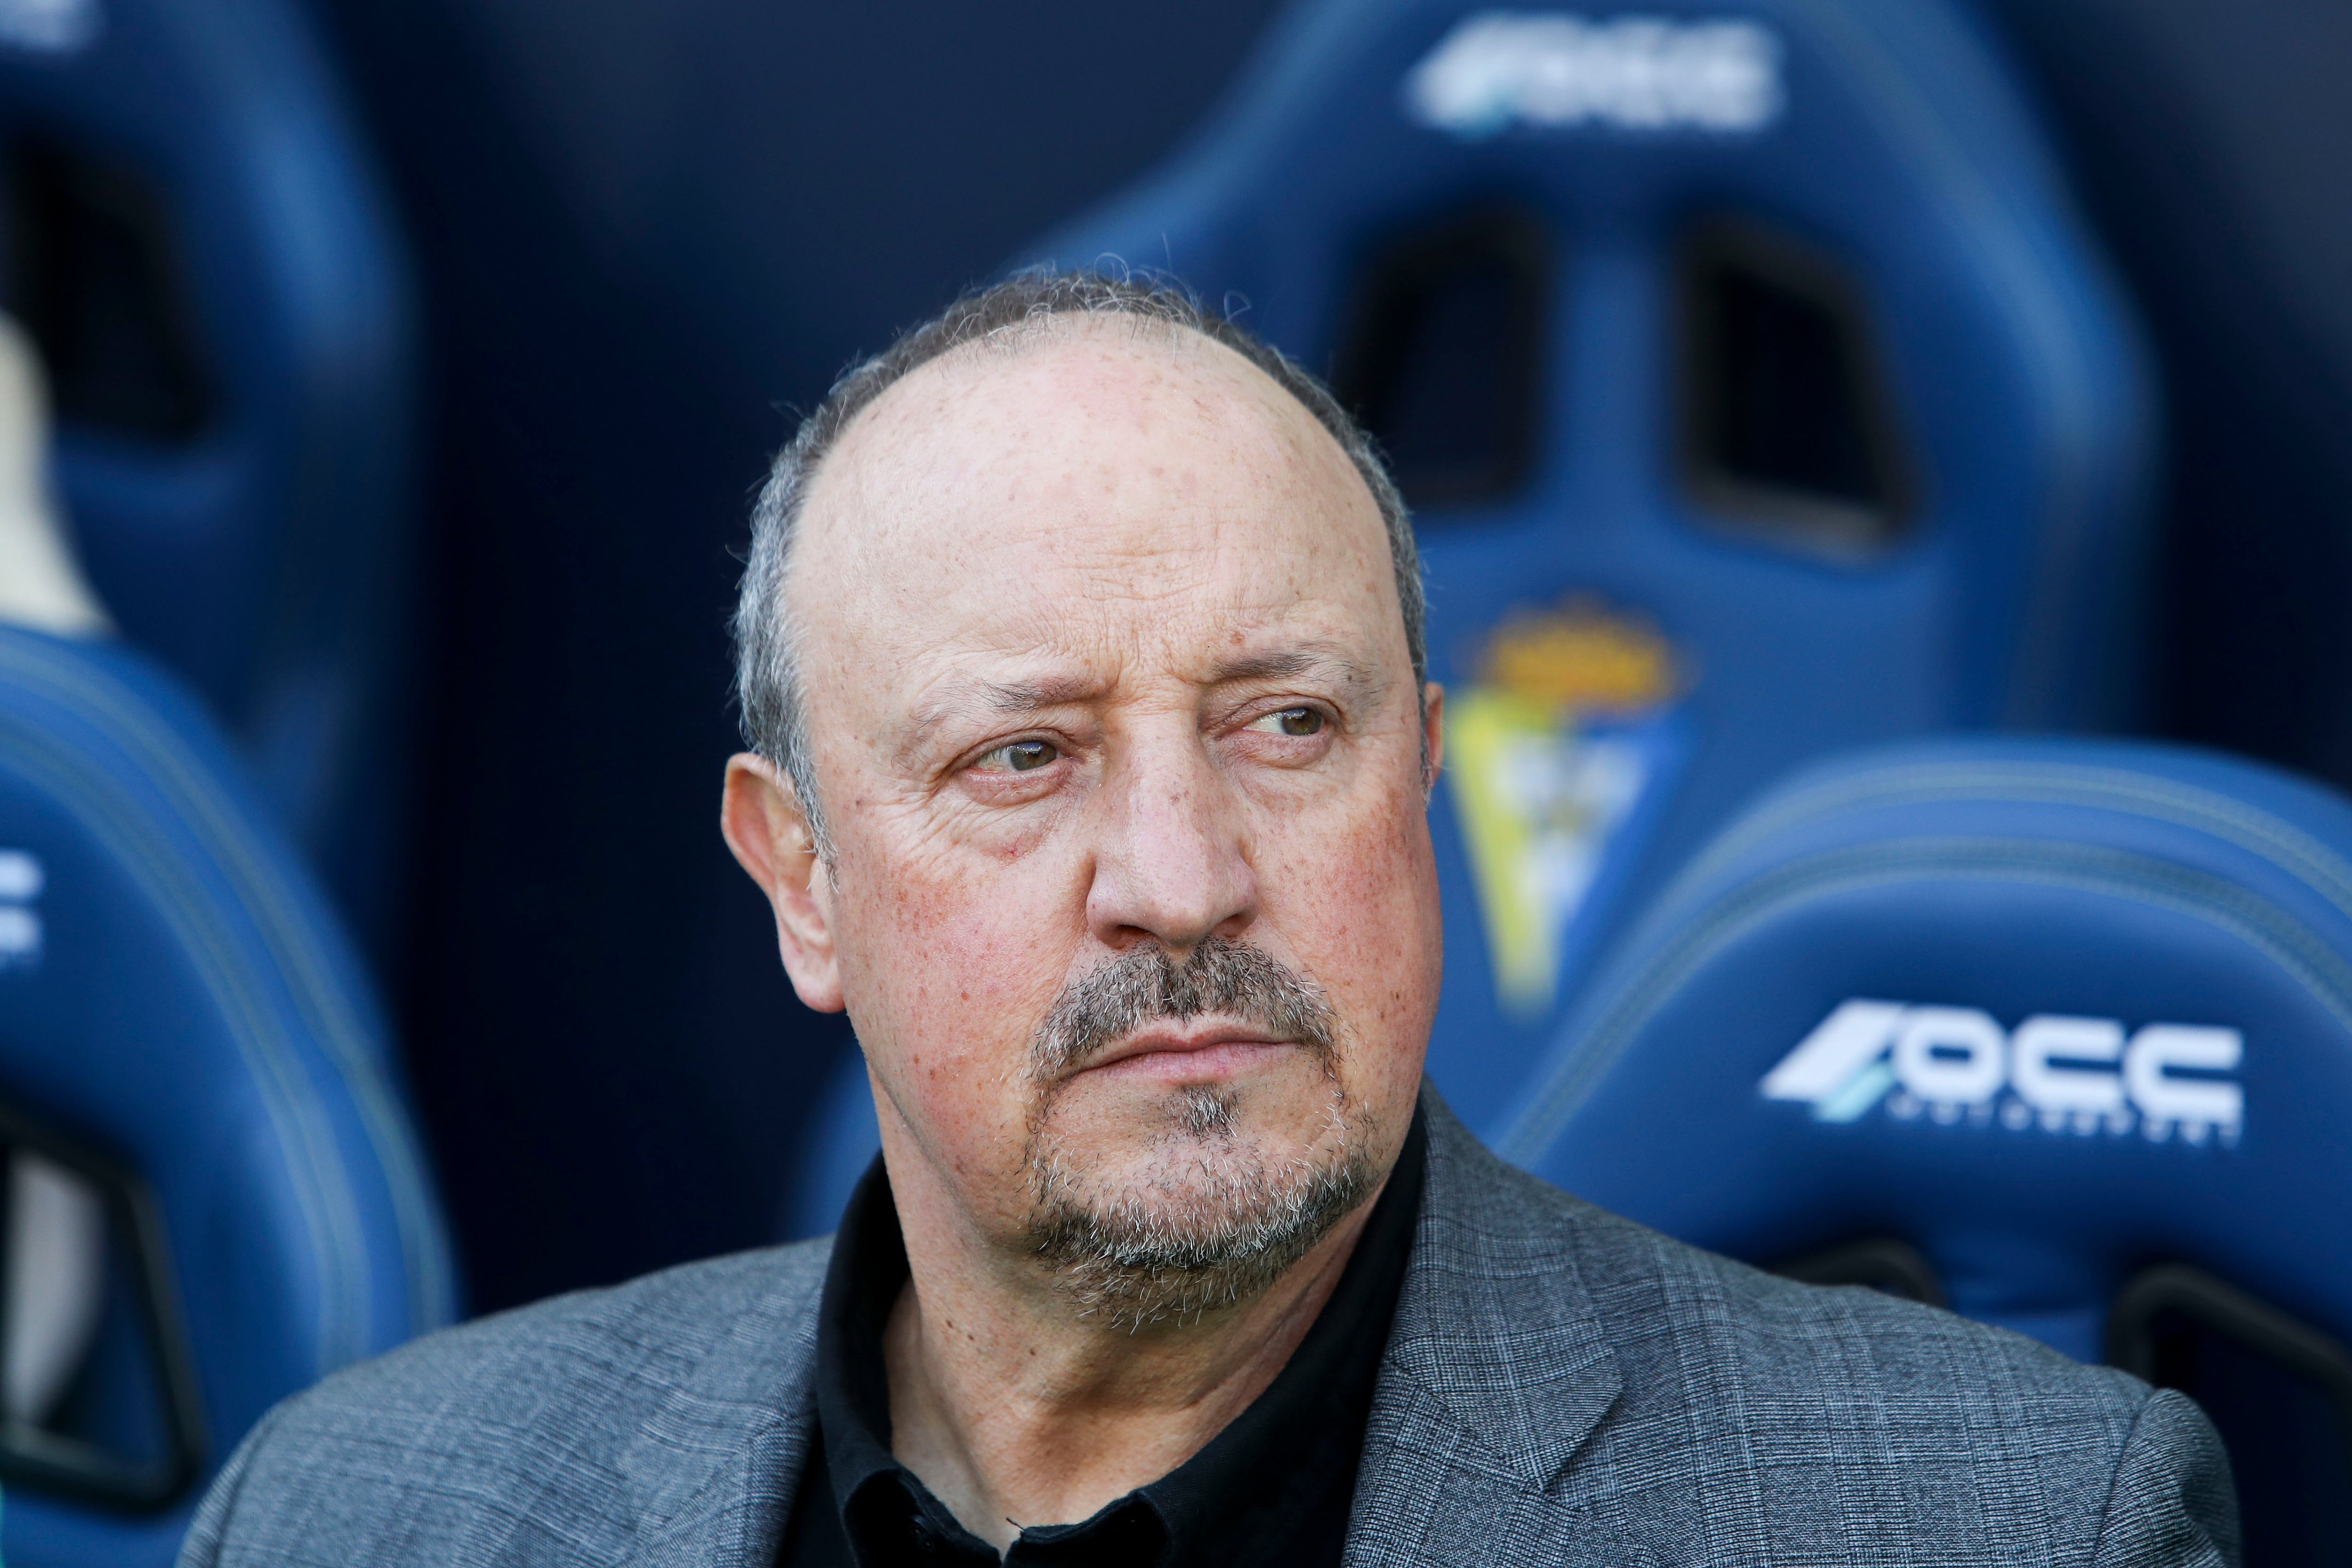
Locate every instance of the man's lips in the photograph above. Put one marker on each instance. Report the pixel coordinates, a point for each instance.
(1209, 1049)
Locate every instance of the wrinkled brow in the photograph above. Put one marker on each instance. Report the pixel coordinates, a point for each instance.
(1011, 699)
(995, 699)
(1324, 659)
(1008, 697)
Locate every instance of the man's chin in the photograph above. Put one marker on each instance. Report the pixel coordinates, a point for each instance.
(1194, 1214)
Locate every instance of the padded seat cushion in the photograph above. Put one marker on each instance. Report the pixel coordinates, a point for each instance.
(174, 996)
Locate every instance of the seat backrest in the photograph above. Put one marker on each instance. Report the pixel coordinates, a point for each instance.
(197, 247)
(1756, 388)
(2058, 1032)
(213, 1193)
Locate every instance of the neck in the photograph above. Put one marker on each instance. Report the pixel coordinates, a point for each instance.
(1015, 1412)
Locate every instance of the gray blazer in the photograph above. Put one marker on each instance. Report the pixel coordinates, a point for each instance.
(1561, 1386)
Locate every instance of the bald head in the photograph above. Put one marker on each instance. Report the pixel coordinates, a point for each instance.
(1008, 321)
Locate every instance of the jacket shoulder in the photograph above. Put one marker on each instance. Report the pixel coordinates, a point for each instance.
(1667, 1305)
(1890, 1430)
(647, 1335)
(538, 1430)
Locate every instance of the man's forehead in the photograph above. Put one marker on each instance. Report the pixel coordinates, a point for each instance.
(1073, 353)
(1120, 482)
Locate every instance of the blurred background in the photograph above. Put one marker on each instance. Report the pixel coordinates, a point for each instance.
(591, 258)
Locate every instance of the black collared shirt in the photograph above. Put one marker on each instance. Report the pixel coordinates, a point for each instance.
(1273, 1486)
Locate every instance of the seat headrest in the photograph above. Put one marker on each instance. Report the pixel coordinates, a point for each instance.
(203, 254)
(1508, 233)
(2052, 1010)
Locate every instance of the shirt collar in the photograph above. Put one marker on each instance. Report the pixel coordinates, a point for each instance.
(1263, 1474)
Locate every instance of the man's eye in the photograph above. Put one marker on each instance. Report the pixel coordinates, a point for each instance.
(1020, 756)
(1291, 721)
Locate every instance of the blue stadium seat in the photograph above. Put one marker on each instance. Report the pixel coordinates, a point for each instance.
(1756, 389)
(198, 247)
(213, 1193)
(2056, 1032)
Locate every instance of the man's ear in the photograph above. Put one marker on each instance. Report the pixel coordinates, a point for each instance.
(761, 819)
(1432, 734)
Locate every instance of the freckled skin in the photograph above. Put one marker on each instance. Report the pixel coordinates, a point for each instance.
(1101, 647)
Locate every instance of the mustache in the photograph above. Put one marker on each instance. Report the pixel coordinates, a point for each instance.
(1221, 977)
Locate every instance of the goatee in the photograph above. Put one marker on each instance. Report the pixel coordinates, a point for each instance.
(1227, 1222)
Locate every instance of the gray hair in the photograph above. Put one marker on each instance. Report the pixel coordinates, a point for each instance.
(767, 662)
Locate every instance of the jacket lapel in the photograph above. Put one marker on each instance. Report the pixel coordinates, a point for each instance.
(1495, 1374)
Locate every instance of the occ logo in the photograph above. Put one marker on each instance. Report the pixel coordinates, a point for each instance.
(2060, 1075)
(1538, 70)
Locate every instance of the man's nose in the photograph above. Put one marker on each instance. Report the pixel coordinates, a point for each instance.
(1173, 863)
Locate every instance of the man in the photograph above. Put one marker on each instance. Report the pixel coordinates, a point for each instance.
(1081, 656)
